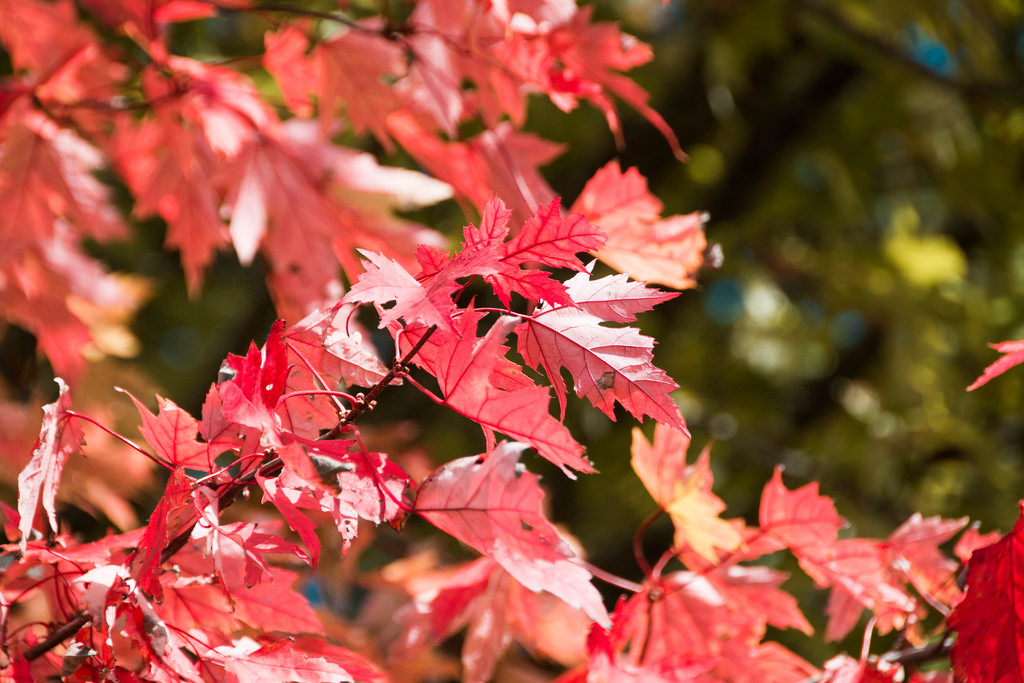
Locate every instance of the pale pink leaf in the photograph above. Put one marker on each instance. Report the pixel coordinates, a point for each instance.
(607, 364)
(59, 436)
(494, 505)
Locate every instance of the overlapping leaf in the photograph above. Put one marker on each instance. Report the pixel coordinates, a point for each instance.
(59, 436)
(490, 503)
(667, 251)
(607, 364)
(476, 381)
(684, 491)
(989, 622)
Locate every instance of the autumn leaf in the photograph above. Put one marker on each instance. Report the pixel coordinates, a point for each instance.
(684, 491)
(256, 382)
(495, 609)
(913, 551)
(59, 435)
(608, 364)
(477, 381)
(1014, 355)
(172, 434)
(798, 519)
(666, 251)
(501, 161)
(386, 281)
(493, 505)
(246, 661)
(989, 621)
(173, 512)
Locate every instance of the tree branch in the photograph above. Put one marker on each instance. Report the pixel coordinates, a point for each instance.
(894, 52)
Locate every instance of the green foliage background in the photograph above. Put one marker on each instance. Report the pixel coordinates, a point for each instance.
(861, 163)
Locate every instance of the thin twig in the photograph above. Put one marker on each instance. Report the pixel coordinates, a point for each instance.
(57, 636)
(367, 402)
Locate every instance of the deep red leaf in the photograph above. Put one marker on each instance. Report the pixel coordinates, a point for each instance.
(989, 621)
(172, 513)
(250, 395)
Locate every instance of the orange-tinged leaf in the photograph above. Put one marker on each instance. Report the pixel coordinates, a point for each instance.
(798, 519)
(667, 251)
(684, 491)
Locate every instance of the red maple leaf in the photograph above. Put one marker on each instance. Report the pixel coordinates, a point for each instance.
(490, 503)
(170, 168)
(173, 512)
(608, 364)
(172, 434)
(500, 161)
(257, 380)
(798, 519)
(846, 669)
(1014, 355)
(989, 621)
(58, 437)
(684, 492)
(913, 553)
(477, 381)
(386, 281)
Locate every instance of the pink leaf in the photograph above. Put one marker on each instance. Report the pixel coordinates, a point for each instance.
(386, 281)
(608, 364)
(492, 504)
(280, 661)
(1014, 355)
(40, 478)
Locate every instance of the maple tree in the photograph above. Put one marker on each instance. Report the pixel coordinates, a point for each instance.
(250, 158)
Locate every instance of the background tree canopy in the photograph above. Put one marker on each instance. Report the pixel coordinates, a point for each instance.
(861, 165)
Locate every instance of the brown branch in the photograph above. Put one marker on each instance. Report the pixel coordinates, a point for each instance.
(366, 403)
(57, 636)
(916, 656)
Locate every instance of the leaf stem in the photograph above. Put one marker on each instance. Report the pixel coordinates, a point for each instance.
(638, 541)
(608, 577)
(157, 459)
